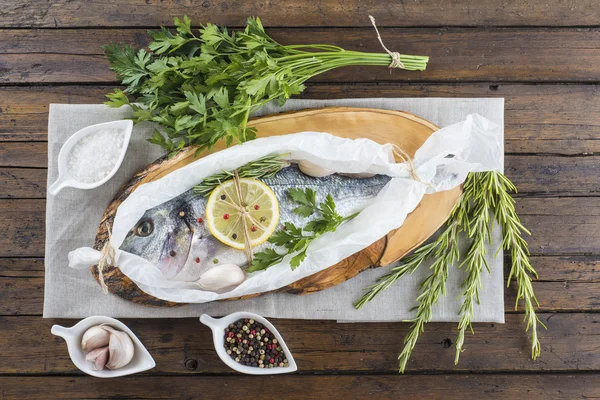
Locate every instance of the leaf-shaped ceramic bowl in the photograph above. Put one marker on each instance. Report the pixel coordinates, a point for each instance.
(64, 177)
(141, 361)
(218, 330)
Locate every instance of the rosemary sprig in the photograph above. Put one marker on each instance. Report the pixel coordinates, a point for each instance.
(513, 241)
(477, 226)
(431, 288)
(264, 167)
(484, 193)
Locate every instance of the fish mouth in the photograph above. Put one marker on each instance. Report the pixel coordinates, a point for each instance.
(176, 250)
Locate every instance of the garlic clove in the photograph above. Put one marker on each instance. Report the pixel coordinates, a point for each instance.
(120, 348)
(313, 170)
(221, 277)
(94, 338)
(98, 357)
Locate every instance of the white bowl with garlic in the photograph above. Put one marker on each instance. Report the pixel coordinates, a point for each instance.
(105, 347)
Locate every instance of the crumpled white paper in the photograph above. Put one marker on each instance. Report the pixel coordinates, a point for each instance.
(442, 163)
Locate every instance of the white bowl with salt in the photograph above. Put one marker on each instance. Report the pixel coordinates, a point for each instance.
(92, 155)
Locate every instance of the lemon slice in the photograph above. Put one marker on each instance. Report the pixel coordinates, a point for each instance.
(226, 213)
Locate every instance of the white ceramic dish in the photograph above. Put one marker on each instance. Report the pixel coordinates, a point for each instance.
(142, 360)
(64, 177)
(218, 329)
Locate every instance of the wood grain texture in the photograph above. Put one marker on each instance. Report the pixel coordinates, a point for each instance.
(540, 119)
(22, 294)
(532, 174)
(457, 54)
(564, 269)
(552, 142)
(416, 387)
(80, 13)
(184, 346)
(560, 226)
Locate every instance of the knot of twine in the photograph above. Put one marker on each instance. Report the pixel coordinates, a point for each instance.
(238, 189)
(396, 63)
(107, 259)
(398, 151)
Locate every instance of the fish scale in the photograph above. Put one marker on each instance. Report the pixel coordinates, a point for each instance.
(178, 240)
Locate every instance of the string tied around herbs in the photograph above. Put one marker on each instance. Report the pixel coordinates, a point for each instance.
(107, 259)
(396, 63)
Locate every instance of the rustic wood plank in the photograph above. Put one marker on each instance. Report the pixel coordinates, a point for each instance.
(547, 175)
(29, 264)
(563, 269)
(457, 55)
(548, 119)
(23, 183)
(452, 387)
(560, 226)
(79, 13)
(23, 236)
(184, 346)
(22, 293)
(24, 154)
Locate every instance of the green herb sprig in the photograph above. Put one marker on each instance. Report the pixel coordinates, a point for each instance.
(296, 240)
(201, 85)
(265, 167)
(485, 194)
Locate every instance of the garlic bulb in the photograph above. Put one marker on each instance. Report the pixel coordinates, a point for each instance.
(98, 357)
(313, 170)
(94, 338)
(120, 348)
(221, 277)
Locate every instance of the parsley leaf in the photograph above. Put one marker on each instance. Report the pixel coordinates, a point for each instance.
(264, 260)
(297, 240)
(307, 198)
(116, 99)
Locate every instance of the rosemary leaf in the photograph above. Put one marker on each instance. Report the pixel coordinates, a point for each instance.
(477, 226)
(264, 167)
(484, 194)
(521, 269)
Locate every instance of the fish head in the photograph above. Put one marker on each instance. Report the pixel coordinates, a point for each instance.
(164, 237)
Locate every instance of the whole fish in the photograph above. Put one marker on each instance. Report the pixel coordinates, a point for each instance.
(173, 236)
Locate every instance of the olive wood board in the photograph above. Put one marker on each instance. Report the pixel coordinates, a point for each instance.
(405, 130)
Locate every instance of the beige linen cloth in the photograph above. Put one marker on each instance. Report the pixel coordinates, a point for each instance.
(73, 215)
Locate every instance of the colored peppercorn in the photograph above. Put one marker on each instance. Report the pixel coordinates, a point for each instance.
(250, 343)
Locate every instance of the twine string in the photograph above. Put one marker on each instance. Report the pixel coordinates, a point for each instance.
(398, 151)
(396, 63)
(244, 212)
(107, 259)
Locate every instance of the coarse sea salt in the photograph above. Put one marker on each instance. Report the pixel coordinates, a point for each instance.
(95, 155)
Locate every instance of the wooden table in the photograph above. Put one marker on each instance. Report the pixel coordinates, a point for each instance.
(542, 56)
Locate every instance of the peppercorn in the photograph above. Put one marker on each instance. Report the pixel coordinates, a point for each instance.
(250, 343)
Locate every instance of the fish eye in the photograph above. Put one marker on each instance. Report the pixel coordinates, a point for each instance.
(144, 228)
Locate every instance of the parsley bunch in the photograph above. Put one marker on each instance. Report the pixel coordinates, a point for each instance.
(296, 240)
(202, 85)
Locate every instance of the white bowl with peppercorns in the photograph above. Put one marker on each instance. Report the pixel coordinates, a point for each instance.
(248, 343)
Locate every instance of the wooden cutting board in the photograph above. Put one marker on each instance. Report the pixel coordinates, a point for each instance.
(403, 129)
